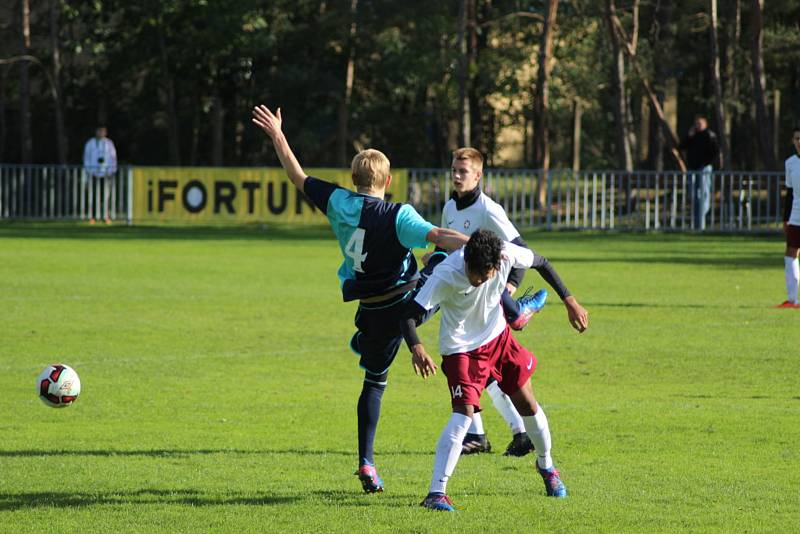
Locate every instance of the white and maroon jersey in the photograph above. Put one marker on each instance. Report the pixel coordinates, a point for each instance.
(483, 213)
(470, 316)
(793, 182)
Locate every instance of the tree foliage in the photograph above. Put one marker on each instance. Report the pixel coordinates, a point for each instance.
(175, 81)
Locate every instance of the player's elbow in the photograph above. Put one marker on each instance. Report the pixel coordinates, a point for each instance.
(446, 239)
(435, 236)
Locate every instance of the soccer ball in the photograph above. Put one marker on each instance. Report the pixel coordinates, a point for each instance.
(58, 385)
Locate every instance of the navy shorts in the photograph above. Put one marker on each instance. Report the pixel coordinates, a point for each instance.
(378, 337)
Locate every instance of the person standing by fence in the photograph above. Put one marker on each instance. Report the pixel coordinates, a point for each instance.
(702, 151)
(99, 165)
(791, 224)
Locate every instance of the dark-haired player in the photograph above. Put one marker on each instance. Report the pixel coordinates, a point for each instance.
(470, 209)
(476, 343)
(379, 270)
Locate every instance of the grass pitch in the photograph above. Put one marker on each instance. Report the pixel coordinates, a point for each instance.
(219, 393)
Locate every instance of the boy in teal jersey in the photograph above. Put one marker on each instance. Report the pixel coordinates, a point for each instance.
(379, 269)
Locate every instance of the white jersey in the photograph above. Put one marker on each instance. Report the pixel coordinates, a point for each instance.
(100, 157)
(470, 316)
(484, 213)
(793, 181)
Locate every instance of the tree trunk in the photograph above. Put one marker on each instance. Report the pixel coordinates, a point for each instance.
(26, 138)
(760, 86)
(624, 157)
(577, 114)
(217, 126)
(656, 105)
(344, 104)
(173, 140)
(776, 123)
(463, 75)
(643, 138)
(663, 82)
(3, 128)
(481, 112)
(733, 36)
(194, 142)
(541, 124)
(630, 96)
(719, 104)
(61, 136)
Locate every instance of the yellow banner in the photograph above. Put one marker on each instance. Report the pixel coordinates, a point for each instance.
(238, 195)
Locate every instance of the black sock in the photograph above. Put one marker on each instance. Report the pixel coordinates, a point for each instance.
(369, 411)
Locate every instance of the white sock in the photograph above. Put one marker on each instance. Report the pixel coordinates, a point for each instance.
(792, 268)
(477, 424)
(539, 432)
(506, 408)
(448, 450)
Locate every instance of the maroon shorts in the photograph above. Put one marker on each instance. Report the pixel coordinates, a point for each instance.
(504, 358)
(792, 236)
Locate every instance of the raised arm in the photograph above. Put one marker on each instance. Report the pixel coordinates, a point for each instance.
(271, 124)
(447, 239)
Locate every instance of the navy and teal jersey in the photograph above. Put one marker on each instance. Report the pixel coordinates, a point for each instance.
(375, 236)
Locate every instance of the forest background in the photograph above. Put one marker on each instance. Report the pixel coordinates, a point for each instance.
(537, 84)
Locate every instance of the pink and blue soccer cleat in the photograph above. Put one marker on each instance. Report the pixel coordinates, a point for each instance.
(369, 478)
(529, 305)
(439, 502)
(552, 482)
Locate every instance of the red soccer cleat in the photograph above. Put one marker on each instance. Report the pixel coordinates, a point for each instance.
(788, 305)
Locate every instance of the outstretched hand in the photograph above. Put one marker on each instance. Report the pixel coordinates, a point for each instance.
(268, 121)
(578, 316)
(422, 363)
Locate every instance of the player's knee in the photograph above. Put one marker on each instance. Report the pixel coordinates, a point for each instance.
(464, 409)
(375, 379)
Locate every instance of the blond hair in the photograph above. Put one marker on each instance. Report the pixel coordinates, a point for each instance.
(370, 169)
(469, 154)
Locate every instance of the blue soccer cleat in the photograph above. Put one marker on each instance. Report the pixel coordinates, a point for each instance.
(369, 478)
(439, 502)
(529, 305)
(552, 482)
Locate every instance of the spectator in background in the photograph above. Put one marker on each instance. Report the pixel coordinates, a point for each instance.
(791, 224)
(99, 164)
(702, 151)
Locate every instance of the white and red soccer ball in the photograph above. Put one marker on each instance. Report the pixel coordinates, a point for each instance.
(58, 385)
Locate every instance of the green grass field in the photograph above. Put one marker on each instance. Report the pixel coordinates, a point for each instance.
(219, 392)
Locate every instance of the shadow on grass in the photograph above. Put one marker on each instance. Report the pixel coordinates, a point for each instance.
(62, 230)
(673, 306)
(195, 498)
(185, 497)
(684, 249)
(182, 453)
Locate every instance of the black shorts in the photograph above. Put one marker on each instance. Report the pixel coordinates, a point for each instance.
(378, 337)
(792, 236)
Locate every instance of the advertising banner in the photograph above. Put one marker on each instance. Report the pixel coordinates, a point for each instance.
(214, 195)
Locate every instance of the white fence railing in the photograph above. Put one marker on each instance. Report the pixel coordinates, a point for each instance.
(640, 200)
(44, 192)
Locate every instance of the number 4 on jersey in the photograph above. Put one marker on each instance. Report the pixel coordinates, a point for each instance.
(354, 248)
